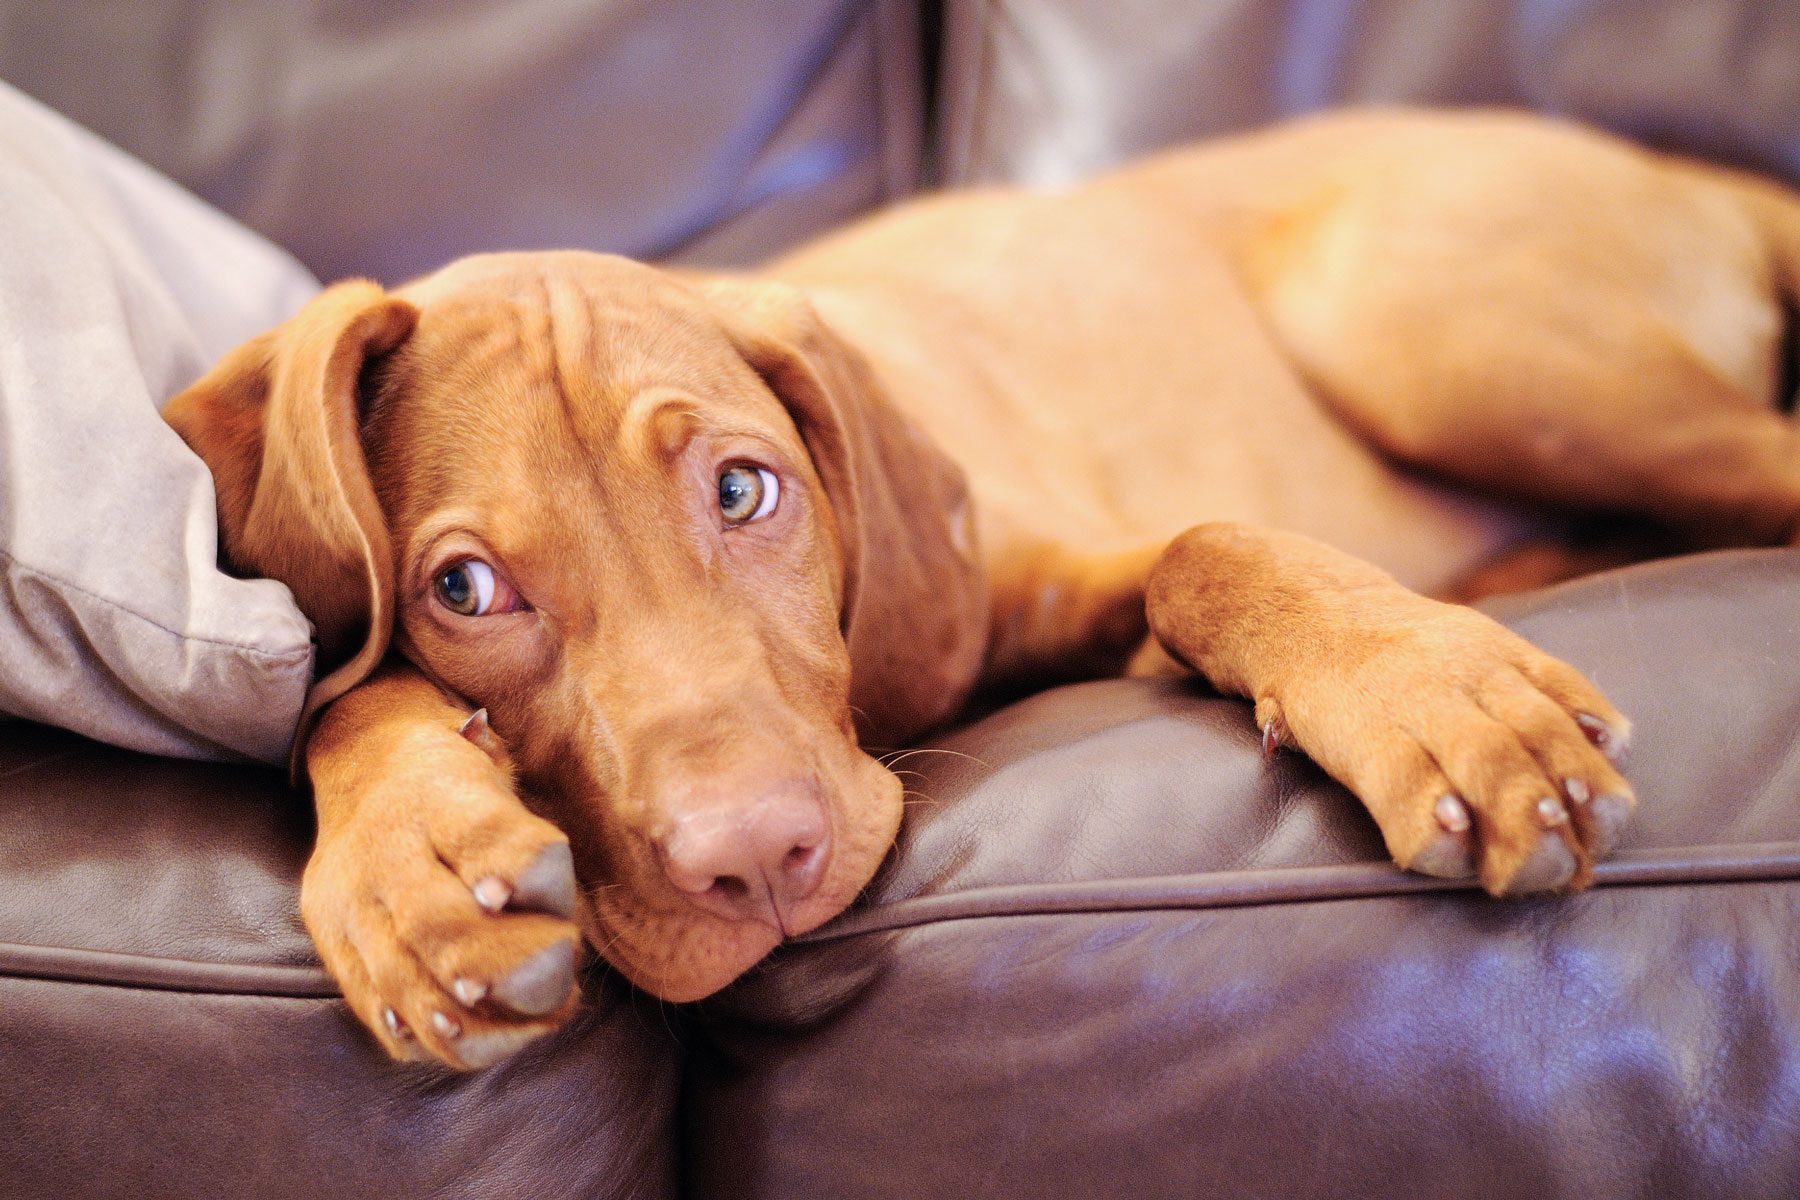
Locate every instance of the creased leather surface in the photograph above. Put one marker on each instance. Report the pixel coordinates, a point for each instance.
(165, 1029)
(1045, 91)
(1330, 1030)
(386, 139)
(106, 851)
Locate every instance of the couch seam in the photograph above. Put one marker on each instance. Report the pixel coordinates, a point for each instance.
(981, 69)
(68, 964)
(892, 91)
(1764, 863)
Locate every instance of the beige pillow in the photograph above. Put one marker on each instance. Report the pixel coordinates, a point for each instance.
(116, 290)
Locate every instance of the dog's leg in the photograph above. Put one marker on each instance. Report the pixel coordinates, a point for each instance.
(441, 905)
(1476, 753)
(1667, 438)
(1543, 562)
(1060, 615)
(1606, 340)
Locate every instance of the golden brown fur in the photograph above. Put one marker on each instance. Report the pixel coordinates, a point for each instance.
(1162, 418)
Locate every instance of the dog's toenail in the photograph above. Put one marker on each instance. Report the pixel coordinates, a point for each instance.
(1610, 812)
(1445, 856)
(1452, 813)
(1577, 790)
(492, 893)
(1551, 812)
(1601, 734)
(395, 1025)
(485, 1049)
(1549, 866)
(1271, 738)
(540, 983)
(469, 991)
(482, 734)
(448, 1027)
(547, 884)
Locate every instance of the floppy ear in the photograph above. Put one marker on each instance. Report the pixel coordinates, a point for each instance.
(914, 601)
(276, 421)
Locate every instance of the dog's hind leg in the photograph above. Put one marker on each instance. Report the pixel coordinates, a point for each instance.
(1605, 340)
(1657, 433)
(1541, 562)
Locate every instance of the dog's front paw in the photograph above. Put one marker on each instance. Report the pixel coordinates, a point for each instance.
(443, 907)
(1477, 753)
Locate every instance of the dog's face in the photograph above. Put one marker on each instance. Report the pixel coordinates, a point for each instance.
(609, 532)
(623, 527)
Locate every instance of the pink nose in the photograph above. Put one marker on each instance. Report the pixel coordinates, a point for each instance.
(749, 857)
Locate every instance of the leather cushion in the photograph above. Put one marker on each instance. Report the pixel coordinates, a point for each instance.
(166, 1030)
(1119, 955)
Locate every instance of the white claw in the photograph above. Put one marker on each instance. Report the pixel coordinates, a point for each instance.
(477, 730)
(492, 893)
(1604, 737)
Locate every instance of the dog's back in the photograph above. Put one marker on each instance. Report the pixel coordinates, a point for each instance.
(1261, 328)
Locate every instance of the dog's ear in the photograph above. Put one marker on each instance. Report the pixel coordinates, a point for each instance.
(914, 605)
(277, 422)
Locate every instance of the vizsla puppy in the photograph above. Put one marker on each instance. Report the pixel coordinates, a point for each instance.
(616, 569)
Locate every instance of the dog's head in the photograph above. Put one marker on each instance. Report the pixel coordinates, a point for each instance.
(649, 523)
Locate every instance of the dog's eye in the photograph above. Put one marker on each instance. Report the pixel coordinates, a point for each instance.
(747, 493)
(472, 589)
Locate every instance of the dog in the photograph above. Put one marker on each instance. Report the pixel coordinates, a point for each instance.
(616, 570)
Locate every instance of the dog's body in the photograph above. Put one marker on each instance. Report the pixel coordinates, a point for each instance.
(993, 440)
(1295, 300)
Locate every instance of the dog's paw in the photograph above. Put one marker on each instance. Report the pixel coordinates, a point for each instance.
(444, 908)
(1477, 754)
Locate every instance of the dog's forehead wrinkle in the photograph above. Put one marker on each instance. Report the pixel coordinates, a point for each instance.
(552, 335)
(576, 337)
(614, 362)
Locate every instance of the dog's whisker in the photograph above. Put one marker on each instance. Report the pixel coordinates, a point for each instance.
(903, 755)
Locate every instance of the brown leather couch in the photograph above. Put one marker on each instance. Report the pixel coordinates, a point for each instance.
(1115, 954)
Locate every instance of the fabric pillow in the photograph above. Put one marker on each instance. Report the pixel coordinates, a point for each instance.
(116, 290)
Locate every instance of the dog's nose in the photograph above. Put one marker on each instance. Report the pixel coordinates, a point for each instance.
(749, 857)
